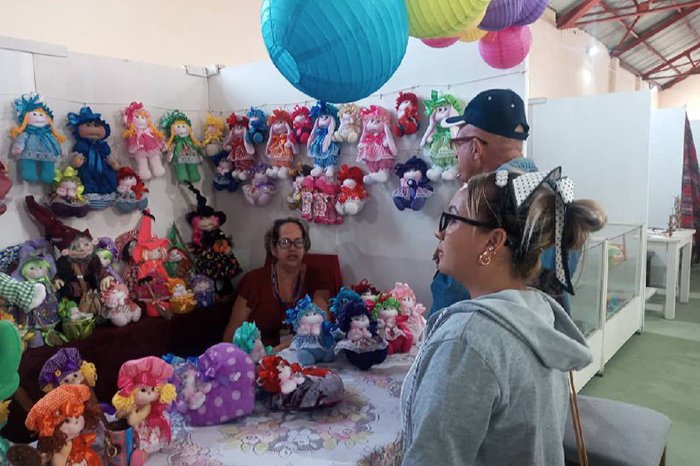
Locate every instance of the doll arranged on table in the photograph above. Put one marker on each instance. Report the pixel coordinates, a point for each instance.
(249, 339)
(143, 397)
(368, 292)
(182, 300)
(391, 324)
(66, 198)
(145, 142)
(320, 146)
(377, 148)
(131, 192)
(280, 149)
(37, 142)
(291, 387)
(67, 367)
(10, 357)
(407, 121)
(184, 151)
(438, 137)
(91, 156)
(257, 126)
(353, 195)
(240, 151)
(5, 185)
(150, 253)
(261, 189)
(312, 341)
(213, 140)
(411, 308)
(204, 290)
(118, 306)
(414, 187)
(350, 124)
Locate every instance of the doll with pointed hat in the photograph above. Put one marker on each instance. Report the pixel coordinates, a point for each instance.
(150, 254)
(184, 150)
(144, 141)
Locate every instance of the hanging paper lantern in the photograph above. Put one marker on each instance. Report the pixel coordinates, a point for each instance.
(472, 35)
(531, 12)
(507, 48)
(336, 51)
(440, 43)
(501, 14)
(443, 18)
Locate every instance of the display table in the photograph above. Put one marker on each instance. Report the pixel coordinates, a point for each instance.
(364, 429)
(678, 247)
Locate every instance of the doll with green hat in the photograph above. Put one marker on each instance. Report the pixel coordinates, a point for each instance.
(438, 137)
(184, 151)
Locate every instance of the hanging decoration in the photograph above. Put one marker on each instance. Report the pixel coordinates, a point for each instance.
(532, 10)
(443, 18)
(501, 14)
(507, 48)
(472, 34)
(440, 42)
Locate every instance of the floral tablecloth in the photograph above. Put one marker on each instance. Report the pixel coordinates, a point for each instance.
(362, 430)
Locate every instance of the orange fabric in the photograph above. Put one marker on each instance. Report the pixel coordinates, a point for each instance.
(81, 449)
(56, 406)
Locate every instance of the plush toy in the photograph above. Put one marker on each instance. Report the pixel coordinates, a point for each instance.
(223, 174)
(376, 148)
(312, 340)
(414, 186)
(36, 266)
(91, 157)
(5, 185)
(204, 290)
(438, 138)
(37, 142)
(61, 418)
(130, 191)
(126, 243)
(261, 189)
(240, 151)
(248, 339)
(350, 124)
(411, 308)
(179, 263)
(150, 253)
(353, 195)
(320, 146)
(66, 198)
(76, 325)
(214, 128)
(301, 125)
(326, 193)
(144, 141)
(280, 149)
(407, 121)
(291, 387)
(119, 308)
(257, 126)
(67, 367)
(391, 324)
(182, 300)
(368, 292)
(10, 357)
(294, 197)
(143, 397)
(184, 151)
(107, 252)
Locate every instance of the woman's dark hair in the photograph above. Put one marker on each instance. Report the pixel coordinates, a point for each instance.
(273, 234)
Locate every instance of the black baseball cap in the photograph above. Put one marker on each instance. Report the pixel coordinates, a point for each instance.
(497, 111)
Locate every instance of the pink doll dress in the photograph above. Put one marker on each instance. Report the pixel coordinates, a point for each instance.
(144, 141)
(279, 154)
(324, 198)
(374, 153)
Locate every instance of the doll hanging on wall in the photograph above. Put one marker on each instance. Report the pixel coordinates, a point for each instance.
(414, 188)
(407, 121)
(145, 142)
(261, 189)
(350, 124)
(184, 151)
(240, 151)
(131, 191)
(37, 142)
(280, 148)
(5, 185)
(321, 147)
(214, 128)
(352, 195)
(301, 125)
(257, 126)
(437, 137)
(376, 148)
(66, 198)
(91, 157)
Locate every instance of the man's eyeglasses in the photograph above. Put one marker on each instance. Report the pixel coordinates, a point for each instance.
(446, 219)
(456, 143)
(286, 243)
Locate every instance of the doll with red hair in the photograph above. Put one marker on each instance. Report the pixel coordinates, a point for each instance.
(144, 141)
(150, 253)
(407, 121)
(377, 148)
(352, 195)
(240, 151)
(301, 125)
(130, 191)
(280, 149)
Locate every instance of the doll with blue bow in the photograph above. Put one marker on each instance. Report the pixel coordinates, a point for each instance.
(37, 142)
(321, 146)
(313, 340)
(91, 156)
(257, 126)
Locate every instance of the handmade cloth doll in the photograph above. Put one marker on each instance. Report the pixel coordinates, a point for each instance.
(107, 252)
(10, 357)
(350, 124)
(126, 243)
(391, 324)
(223, 174)
(248, 339)
(257, 126)
(178, 264)
(66, 198)
(145, 142)
(36, 266)
(291, 387)
(91, 157)
(368, 292)
(261, 189)
(352, 195)
(131, 192)
(184, 151)
(414, 187)
(118, 306)
(182, 300)
(280, 149)
(407, 121)
(312, 340)
(214, 128)
(150, 253)
(362, 345)
(67, 367)
(376, 148)
(320, 146)
(307, 187)
(326, 193)
(76, 325)
(143, 397)
(411, 308)
(240, 151)
(61, 418)
(37, 142)
(204, 290)
(219, 389)
(294, 197)
(301, 125)
(5, 185)
(438, 138)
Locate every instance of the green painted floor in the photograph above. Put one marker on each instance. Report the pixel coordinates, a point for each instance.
(660, 369)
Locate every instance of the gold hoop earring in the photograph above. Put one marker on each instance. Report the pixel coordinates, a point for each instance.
(485, 258)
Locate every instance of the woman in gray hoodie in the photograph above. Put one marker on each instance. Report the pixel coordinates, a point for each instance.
(489, 385)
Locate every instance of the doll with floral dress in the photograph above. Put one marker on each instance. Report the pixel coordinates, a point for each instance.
(320, 146)
(240, 151)
(377, 148)
(37, 266)
(145, 142)
(391, 324)
(412, 308)
(184, 150)
(280, 149)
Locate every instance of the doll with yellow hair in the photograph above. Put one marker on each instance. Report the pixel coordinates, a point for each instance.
(214, 128)
(66, 367)
(184, 151)
(37, 143)
(144, 141)
(143, 396)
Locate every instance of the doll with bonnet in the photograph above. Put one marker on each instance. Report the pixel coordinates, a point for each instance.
(377, 148)
(320, 146)
(410, 307)
(67, 367)
(145, 142)
(131, 191)
(280, 149)
(414, 188)
(184, 151)
(182, 299)
(240, 151)
(437, 137)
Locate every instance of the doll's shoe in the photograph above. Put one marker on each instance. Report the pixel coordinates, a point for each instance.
(418, 203)
(382, 176)
(330, 172)
(316, 171)
(434, 174)
(351, 208)
(283, 173)
(400, 203)
(368, 179)
(449, 174)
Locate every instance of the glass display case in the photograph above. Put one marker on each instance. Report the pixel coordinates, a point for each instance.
(588, 287)
(624, 266)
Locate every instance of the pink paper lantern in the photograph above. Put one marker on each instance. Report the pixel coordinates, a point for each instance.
(507, 48)
(440, 42)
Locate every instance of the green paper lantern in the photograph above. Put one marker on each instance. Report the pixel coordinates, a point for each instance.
(443, 18)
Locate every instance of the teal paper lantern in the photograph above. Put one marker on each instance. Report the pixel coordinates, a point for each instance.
(335, 51)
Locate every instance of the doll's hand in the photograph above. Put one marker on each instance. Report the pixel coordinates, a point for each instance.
(105, 283)
(430, 140)
(58, 284)
(78, 160)
(17, 149)
(228, 148)
(113, 163)
(412, 184)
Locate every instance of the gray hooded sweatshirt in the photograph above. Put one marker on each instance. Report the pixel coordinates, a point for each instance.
(489, 385)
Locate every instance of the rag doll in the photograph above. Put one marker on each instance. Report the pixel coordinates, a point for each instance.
(320, 146)
(301, 125)
(91, 157)
(312, 340)
(391, 324)
(248, 339)
(76, 325)
(67, 367)
(119, 308)
(107, 252)
(437, 137)
(144, 141)
(414, 187)
(326, 193)
(411, 308)
(280, 149)
(353, 195)
(368, 292)
(307, 188)
(223, 173)
(184, 151)
(5, 186)
(350, 124)
(294, 197)
(182, 300)
(37, 142)
(376, 148)
(214, 128)
(257, 126)
(10, 357)
(131, 192)
(261, 189)
(179, 264)
(204, 290)
(37, 266)
(126, 243)
(24, 295)
(150, 253)
(240, 151)
(407, 121)
(66, 198)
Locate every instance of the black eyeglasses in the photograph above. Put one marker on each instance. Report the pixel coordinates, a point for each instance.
(446, 219)
(456, 143)
(286, 243)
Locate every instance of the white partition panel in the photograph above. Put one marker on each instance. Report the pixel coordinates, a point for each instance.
(665, 163)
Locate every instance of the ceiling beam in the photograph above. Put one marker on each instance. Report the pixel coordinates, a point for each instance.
(652, 31)
(632, 11)
(568, 19)
(667, 63)
(687, 74)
